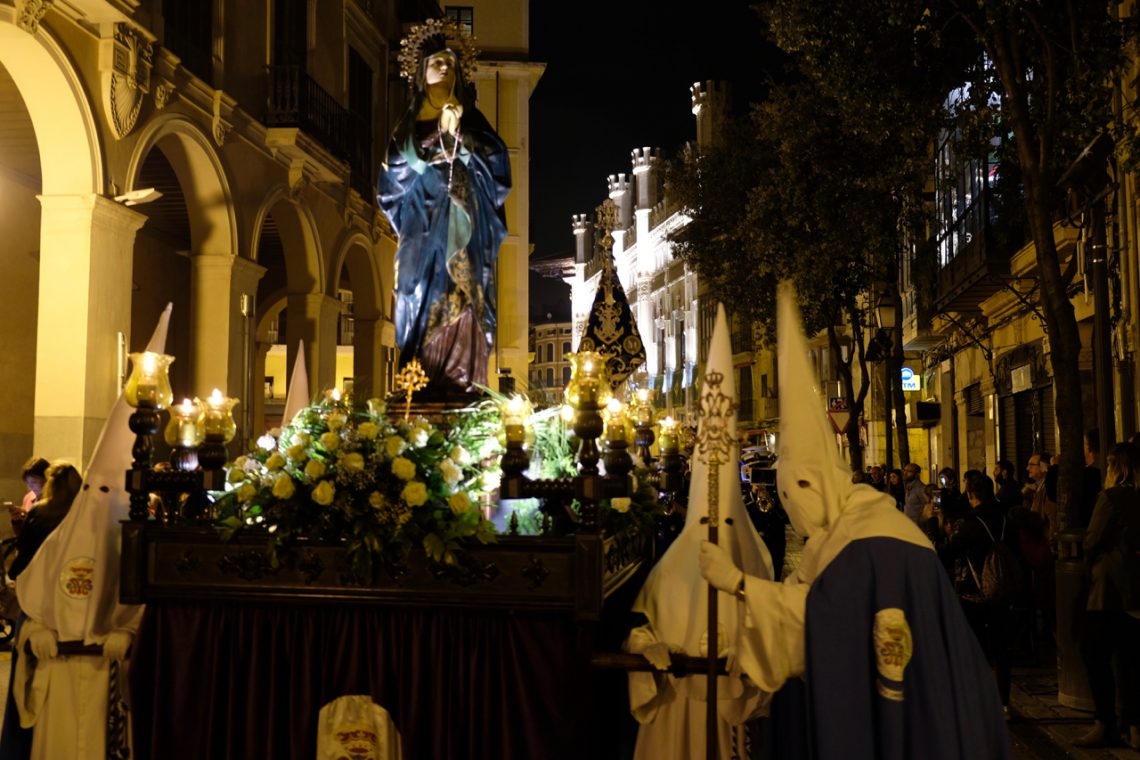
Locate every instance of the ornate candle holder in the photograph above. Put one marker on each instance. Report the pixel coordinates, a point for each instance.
(643, 425)
(670, 465)
(198, 433)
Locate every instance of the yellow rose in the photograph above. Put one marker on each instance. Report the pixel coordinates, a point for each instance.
(404, 469)
(324, 492)
(394, 445)
(296, 452)
(460, 455)
(283, 487)
(301, 438)
(376, 500)
(274, 462)
(235, 475)
(335, 421)
(459, 502)
(353, 462)
(414, 493)
(315, 469)
(331, 441)
(620, 504)
(246, 492)
(368, 430)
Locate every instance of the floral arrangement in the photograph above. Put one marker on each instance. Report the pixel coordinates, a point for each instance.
(341, 472)
(336, 472)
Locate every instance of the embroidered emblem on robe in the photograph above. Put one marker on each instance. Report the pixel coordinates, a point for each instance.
(893, 649)
(78, 577)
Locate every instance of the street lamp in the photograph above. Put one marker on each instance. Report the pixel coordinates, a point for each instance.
(885, 313)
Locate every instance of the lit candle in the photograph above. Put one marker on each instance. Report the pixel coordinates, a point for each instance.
(515, 414)
(183, 429)
(644, 407)
(668, 439)
(615, 420)
(217, 417)
(148, 384)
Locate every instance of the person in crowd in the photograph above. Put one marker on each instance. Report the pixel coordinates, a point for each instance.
(61, 483)
(34, 474)
(878, 479)
(1007, 484)
(443, 189)
(1090, 477)
(914, 493)
(1112, 622)
(895, 487)
(952, 501)
(858, 476)
(964, 553)
(1042, 503)
(868, 617)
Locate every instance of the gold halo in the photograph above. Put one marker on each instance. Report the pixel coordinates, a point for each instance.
(411, 46)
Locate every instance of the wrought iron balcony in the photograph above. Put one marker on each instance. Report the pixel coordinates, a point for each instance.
(296, 100)
(972, 265)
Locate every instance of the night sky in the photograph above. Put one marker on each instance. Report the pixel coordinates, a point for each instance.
(617, 77)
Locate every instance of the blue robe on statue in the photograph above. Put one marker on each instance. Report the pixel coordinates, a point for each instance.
(941, 707)
(445, 203)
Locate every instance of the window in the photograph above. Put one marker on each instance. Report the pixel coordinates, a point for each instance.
(549, 352)
(463, 16)
(550, 377)
(565, 376)
(565, 348)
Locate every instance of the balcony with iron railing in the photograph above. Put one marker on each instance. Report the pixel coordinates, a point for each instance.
(972, 266)
(296, 100)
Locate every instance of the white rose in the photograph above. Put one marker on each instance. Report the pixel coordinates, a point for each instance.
(419, 436)
(460, 455)
(449, 472)
(490, 480)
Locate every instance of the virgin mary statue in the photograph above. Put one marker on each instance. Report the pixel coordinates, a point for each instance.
(442, 188)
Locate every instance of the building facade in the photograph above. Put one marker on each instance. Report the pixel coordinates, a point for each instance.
(551, 345)
(221, 156)
(674, 315)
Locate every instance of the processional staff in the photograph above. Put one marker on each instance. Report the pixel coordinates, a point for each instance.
(714, 446)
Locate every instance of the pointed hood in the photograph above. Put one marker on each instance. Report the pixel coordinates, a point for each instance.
(72, 583)
(811, 476)
(297, 397)
(675, 595)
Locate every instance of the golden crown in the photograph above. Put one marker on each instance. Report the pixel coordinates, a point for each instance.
(412, 52)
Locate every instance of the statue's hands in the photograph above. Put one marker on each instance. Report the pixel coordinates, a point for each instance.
(718, 568)
(449, 118)
(117, 645)
(42, 641)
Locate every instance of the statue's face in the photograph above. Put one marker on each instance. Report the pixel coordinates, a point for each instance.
(440, 69)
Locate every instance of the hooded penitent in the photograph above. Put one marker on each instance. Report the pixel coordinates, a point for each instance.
(297, 397)
(72, 584)
(812, 479)
(674, 598)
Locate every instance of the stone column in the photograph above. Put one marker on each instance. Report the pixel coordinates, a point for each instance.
(86, 254)
(367, 360)
(213, 319)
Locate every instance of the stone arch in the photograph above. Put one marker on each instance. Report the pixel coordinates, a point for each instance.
(299, 239)
(356, 265)
(59, 107)
(202, 174)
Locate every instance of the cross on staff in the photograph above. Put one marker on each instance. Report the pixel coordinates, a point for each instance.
(411, 379)
(607, 220)
(714, 445)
